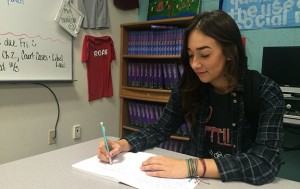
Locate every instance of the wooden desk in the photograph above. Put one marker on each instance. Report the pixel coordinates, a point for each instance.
(52, 170)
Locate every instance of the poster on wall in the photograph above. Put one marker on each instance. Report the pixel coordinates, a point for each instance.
(257, 14)
(162, 9)
(69, 17)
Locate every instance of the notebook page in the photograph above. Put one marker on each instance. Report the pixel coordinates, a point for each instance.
(126, 169)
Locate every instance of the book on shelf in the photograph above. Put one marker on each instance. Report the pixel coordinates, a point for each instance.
(130, 111)
(175, 74)
(139, 115)
(155, 76)
(143, 112)
(159, 76)
(135, 116)
(184, 130)
(147, 111)
(157, 26)
(156, 112)
(133, 75)
(165, 76)
(152, 115)
(170, 75)
(137, 75)
(126, 169)
(178, 40)
(173, 145)
(129, 74)
(155, 42)
(150, 75)
(180, 69)
(142, 75)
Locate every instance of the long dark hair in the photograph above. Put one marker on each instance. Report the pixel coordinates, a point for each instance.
(221, 27)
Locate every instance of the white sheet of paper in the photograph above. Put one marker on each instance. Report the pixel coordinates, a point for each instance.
(126, 169)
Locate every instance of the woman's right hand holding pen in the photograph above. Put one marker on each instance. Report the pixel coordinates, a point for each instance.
(115, 147)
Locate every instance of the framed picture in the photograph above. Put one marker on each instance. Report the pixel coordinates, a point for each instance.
(162, 9)
(69, 17)
(183, 8)
(159, 9)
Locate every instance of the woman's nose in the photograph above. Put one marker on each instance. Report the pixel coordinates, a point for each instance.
(196, 62)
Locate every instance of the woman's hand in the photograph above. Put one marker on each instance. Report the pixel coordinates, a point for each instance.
(103, 154)
(160, 166)
(115, 147)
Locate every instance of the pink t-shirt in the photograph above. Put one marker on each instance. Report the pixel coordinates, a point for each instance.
(98, 53)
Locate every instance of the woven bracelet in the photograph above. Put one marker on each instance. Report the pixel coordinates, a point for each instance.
(188, 167)
(204, 167)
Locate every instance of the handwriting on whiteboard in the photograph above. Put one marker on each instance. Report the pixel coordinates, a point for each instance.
(18, 49)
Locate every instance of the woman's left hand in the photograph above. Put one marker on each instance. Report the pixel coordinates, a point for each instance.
(160, 166)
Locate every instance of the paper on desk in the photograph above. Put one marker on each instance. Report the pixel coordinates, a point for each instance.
(126, 169)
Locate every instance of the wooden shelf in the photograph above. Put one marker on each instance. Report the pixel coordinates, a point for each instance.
(172, 137)
(152, 95)
(152, 56)
(180, 22)
(143, 95)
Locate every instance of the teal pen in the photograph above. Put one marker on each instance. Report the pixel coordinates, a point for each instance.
(105, 140)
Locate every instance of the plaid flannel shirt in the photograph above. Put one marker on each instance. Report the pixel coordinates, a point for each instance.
(255, 162)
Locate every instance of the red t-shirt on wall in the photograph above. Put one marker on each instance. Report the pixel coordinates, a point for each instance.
(98, 53)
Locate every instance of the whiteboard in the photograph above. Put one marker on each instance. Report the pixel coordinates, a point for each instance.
(33, 46)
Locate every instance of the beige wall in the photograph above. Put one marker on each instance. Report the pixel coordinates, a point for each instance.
(28, 111)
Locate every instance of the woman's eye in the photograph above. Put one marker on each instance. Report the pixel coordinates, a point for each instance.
(191, 55)
(204, 55)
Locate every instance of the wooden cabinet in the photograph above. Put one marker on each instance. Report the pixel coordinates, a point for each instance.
(150, 95)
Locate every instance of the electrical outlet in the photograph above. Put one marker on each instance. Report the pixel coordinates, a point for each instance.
(76, 131)
(51, 137)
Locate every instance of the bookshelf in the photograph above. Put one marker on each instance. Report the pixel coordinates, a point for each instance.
(152, 95)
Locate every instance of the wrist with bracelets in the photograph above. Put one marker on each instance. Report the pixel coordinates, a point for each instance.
(192, 165)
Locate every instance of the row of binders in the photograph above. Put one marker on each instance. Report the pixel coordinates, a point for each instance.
(155, 42)
(143, 114)
(173, 145)
(153, 75)
(159, 75)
